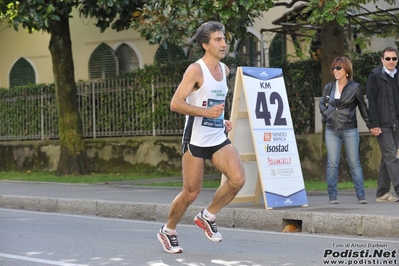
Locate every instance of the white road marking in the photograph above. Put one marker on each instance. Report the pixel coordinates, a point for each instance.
(48, 262)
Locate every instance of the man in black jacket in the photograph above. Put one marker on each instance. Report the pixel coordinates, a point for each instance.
(383, 97)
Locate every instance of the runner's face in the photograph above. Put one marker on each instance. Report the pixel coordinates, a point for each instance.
(217, 45)
(389, 64)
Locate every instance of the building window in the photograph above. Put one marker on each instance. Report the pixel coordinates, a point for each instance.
(127, 58)
(22, 73)
(169, 53)
(277, 50)
(103, 63)
(249, 50)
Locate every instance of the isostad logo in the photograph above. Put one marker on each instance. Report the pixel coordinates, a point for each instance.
(276, 148)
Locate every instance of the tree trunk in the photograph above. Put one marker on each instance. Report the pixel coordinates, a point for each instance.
(332, 46)
(73, 158)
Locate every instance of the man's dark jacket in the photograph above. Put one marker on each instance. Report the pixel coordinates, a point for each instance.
(381, 101)
(343, 115)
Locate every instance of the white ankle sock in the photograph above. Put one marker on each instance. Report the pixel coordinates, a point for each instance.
(208, 216)
(168, 231)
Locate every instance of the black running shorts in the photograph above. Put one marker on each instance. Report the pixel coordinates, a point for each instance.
(203, 152)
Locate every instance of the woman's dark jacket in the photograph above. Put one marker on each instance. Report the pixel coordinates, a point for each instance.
(343, 115)
(381, 102)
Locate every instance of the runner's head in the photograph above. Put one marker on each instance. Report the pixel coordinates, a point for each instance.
(204, 32)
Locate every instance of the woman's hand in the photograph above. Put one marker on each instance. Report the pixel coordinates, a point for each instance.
(375, 131)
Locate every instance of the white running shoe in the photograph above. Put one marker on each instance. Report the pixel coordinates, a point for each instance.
(209, 227)
(169, 242)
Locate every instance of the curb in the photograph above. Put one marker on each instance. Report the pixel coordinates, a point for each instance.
(257, 219)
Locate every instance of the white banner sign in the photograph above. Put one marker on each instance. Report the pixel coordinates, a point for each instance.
(273, 136)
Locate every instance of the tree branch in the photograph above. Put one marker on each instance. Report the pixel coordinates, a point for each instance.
(289, 5)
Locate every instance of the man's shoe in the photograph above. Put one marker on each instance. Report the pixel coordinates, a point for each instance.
(209, 227)
(387, 198)
(169, 242)
(362, 201)
(335, 201)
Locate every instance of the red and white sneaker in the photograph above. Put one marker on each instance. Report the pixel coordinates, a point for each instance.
(209, 227)
(169, 242)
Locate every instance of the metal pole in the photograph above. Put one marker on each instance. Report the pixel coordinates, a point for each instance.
(262, 50)
(42, 112)
(94, 109)
(153, 108)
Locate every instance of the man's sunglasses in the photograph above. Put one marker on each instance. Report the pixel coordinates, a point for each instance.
(336, 68)
(389, 58)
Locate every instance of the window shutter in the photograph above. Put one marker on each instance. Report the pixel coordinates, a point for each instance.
(169, 53)
(22, 73)
(103, 63)
(128, 59)
(250, 50)
(277, 49)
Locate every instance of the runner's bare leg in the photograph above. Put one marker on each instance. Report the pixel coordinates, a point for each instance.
(193, 172)
(228, 161)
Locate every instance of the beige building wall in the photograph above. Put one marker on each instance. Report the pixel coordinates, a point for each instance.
(85, 39)
(33, 47)
(265, 22)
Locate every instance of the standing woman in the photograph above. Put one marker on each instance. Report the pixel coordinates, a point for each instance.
(338, 108)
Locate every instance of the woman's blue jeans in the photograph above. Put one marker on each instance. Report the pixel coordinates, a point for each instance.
(334, 140)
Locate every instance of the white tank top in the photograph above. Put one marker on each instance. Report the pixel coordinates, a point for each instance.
(202, 131)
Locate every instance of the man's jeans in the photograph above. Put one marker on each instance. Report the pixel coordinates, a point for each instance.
(389, 167)
(350, 139)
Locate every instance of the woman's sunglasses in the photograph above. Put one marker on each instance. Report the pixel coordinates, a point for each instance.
(336, 68)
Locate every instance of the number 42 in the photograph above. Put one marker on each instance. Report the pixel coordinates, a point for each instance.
(262, 111)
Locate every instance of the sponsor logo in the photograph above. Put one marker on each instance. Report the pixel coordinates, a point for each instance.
(263, 73)
(287, 202)
(218, 92)
(279, 161)
(276, 148)
(267, 136)
(275, 136)
(280, 136)
(282, 172)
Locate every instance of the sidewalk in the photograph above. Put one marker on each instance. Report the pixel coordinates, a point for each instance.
(125, 200)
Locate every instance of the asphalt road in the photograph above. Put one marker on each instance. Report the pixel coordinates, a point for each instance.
(30, 238)
(124, 200)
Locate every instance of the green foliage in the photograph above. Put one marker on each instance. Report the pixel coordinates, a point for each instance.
(325, 11)
(380, 24)
(19, 122)
(106, 11)
(137, 173)
(38, 15)
(302, 82)
(154, 82)
(362, 66)
(149, 177)
(171, 20)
